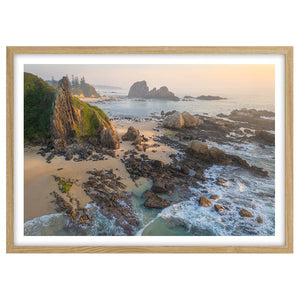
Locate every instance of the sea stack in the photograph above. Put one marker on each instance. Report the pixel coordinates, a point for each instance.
(140, 89)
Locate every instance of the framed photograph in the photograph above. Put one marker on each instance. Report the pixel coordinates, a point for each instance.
(150, 149)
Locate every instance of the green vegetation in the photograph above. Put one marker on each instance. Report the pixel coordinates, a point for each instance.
(39, 98)
(78, 88)
(92, 119)
(63, 185)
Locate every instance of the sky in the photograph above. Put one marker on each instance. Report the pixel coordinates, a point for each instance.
(182, 79)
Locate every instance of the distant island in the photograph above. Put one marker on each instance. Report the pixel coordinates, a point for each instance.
(140, 89)
(204, 97)
(78, 88)
(101, 86)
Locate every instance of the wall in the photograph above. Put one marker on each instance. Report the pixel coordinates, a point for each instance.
(219, 23)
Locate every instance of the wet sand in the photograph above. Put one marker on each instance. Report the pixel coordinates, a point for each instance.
(39, 179)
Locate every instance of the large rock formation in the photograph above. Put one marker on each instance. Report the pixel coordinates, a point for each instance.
(140, 89)
(62, 119)
(178, 120)
(63, 129)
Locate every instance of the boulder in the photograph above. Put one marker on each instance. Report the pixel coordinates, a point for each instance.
(245, 213)
(159, 187)
(214, 197)
(216, 154)
(69, 154)
(204, 202)
(155, 201)
(189, 120)
(198, 149)
(219, 209)
(109, 138)
(174, 120)
(133, 135)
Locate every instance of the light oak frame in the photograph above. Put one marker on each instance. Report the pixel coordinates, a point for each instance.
(284, 50)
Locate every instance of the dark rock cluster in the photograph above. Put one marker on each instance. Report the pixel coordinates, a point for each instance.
(107, 191)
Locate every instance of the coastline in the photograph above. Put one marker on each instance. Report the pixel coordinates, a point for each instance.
(39, 179)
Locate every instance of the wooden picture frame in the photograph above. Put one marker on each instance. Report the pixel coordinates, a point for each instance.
(288, 245)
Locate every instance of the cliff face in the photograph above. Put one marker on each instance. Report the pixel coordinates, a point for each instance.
(140, 89)
(63, 129)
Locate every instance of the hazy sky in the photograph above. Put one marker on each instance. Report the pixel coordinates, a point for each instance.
(181, 79)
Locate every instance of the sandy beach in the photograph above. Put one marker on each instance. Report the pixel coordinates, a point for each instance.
(39, 179)
(92, 100)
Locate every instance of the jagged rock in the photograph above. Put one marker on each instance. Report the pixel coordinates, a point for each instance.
(63, 129)
(155, 201)
(140, 89)
(245, 213)
(171, 112)
(70, 125)
(214, 197)
(216, 156)
(204, 202)
(133, 135)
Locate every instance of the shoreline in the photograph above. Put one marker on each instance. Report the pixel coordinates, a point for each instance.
(38, 174)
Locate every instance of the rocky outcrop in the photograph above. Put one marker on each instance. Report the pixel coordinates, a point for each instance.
(140, 89)
(63, 129)
(109, 138)
(215, 155)
(204, 97)
(156, 201)
(264, 137)
(74, 121)
(209, 98)
(256, 119)
(133, 135)
(177, 120)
